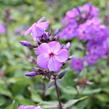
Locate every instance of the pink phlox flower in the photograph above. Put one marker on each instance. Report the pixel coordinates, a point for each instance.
(38, 29)
(51, 55)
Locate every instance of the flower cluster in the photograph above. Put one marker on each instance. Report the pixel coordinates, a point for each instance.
(51, 55)
(82, 23)
(76, 17)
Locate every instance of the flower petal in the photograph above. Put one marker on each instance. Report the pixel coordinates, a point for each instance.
(55, 46)
(21, 107)
(42, 49)
(43, 25)
(54, 65)
(42, 60)
(30, 107)
(28, 31)
(41, 19)
(62, 55)
(37, 32)
(38, 107)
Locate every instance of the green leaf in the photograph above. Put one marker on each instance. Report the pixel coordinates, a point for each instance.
(21, 100)
(49, 105)
(13, 105)
(103, 97)
(73, 101)
(2, 101)
(34, 95)
(4, 91)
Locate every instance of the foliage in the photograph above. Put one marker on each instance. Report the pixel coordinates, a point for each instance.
(15, 61)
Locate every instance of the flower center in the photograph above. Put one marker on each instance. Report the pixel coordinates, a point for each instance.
(51, 54)
(77, 63)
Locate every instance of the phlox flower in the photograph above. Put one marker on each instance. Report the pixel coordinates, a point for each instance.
(51, 56)
(97, 48)
(91, 59)
(85, 11)
(77, 64)
(80, 22)
(89, 10)
(69, 31)
(38, 29)
(92, 30)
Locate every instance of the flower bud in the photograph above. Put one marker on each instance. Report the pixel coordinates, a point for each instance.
(31, 74)
(26, 43)
(67, 46)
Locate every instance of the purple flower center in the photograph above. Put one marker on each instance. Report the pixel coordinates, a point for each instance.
(84, 32)
(77, 63)
(51, 54)
(95, 47)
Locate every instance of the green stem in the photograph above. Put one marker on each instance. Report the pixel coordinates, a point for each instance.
(58, 93)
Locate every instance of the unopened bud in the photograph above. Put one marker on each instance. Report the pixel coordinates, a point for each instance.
(26, 43)
(31, 74)
(67, 46)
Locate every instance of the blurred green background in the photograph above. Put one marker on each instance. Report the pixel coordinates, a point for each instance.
(16, 60)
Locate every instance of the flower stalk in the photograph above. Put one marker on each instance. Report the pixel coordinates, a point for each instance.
(58, 93)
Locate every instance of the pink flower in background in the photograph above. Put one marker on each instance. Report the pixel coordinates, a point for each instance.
(51, 55)
(2, 29)
(38, 29)
(91, 59)
(77, 64)
(88, 8)
(69, 31)
(29, 107)
(84, 11)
